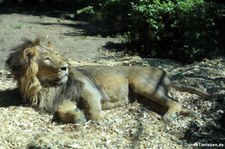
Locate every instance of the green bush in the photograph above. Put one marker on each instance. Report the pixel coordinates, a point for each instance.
(111, 15)
(185, 30)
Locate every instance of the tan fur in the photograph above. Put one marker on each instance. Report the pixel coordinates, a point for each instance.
(77, 94)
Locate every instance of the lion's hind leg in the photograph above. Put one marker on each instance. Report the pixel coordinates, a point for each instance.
(173, 107)
(69, 113)
(159, 95)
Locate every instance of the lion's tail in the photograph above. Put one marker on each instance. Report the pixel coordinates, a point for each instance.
(191, 89)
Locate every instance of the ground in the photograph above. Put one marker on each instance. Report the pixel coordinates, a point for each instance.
(134, 126)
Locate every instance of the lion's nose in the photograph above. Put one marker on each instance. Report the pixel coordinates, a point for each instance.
(63, 68)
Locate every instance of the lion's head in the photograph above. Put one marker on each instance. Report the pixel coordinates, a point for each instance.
(34, 65)
(52, 68)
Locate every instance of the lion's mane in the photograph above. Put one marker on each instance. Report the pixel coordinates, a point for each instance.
(44, 97)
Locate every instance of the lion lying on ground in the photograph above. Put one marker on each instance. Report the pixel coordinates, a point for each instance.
(78, 94)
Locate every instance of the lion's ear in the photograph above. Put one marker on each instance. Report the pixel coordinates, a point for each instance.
(50, 45)
(29, 54)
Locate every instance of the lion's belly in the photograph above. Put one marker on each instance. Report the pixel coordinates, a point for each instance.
(114, 97)
(114, 90)
(112, 82)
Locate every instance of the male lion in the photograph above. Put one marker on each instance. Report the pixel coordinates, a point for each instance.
(77, 94)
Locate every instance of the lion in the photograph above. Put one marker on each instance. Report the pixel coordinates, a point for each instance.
(77, 94)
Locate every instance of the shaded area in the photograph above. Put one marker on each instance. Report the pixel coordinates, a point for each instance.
(65, 9)
(206, 75)
(52, 7)
(211, 134)
(10, 97)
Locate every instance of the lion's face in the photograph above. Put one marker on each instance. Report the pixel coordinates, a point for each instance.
(52, 68)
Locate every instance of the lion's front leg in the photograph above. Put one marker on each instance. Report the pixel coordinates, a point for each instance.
(68, 112)
(91, 99)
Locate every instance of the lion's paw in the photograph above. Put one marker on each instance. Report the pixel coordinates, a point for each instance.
(100, 122)
(169, 118)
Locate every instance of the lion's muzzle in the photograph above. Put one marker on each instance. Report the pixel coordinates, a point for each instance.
(63, 74)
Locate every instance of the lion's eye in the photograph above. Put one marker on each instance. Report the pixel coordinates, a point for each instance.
(47, 60)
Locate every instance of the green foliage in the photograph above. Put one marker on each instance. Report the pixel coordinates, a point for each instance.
(85, 10)
(181, 29)
(115, 13)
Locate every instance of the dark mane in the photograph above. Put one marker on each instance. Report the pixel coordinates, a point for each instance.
(26, 44)
(29, 44)
(66, 91)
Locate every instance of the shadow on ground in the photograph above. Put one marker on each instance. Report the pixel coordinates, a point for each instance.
(61, 10)
(10, 97)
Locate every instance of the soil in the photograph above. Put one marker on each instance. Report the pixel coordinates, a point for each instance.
(134, 126)
(67, 35)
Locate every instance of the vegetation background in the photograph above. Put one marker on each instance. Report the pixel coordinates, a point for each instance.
(184, 30)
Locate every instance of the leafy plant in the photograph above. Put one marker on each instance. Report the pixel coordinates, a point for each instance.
(185, 30)
(86, 10)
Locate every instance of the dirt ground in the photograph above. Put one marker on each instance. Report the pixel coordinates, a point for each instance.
(132, 127)
(67, 35)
